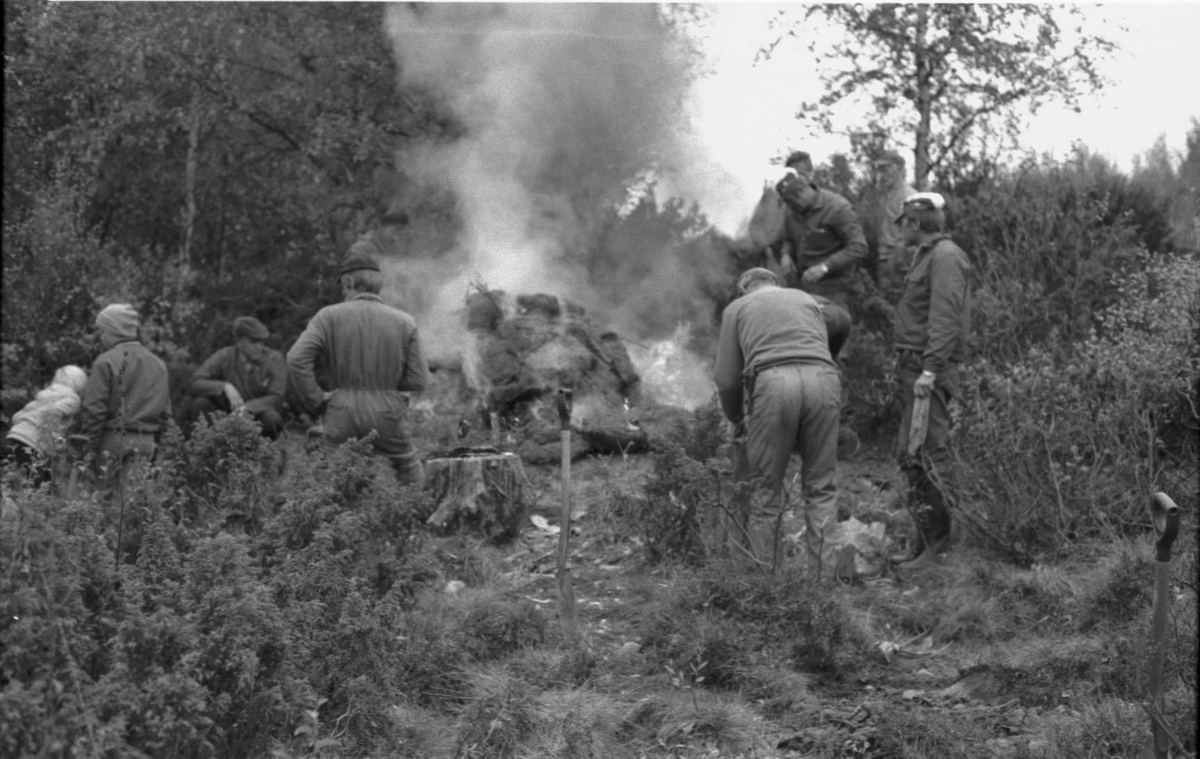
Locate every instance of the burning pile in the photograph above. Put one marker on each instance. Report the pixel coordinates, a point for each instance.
(522, 351)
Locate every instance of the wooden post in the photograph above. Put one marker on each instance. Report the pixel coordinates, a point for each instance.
(1166, 523)
(566, 586)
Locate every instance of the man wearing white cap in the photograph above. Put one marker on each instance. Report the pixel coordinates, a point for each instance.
(931, 328)
(126, 403)
(372, 355)
(893, 190)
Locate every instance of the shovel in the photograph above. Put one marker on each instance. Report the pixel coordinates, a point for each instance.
(1166, 523)
(566, 586)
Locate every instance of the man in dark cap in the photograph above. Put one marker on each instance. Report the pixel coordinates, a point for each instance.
(822, 245)
(244, 378)
(775, 375)
(126, 403)
(891, 190)
(372, 355)
(932, 323)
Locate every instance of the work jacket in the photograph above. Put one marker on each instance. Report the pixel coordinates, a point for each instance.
(261, 384)
(127, 391)
(367, 348)
(42, 423)
(827, 232)
(769, 326)
(933, 317)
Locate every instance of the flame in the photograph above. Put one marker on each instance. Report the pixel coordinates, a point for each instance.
(671, 374)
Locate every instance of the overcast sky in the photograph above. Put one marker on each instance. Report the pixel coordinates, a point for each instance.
(747, 110)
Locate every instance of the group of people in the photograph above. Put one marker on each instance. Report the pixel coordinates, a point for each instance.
(112, 418)
(776, 369)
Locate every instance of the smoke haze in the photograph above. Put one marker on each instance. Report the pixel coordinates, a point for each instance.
(565, 106)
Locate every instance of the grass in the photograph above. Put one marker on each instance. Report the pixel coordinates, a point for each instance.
(682, 659)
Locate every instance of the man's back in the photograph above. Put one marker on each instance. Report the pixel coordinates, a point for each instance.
(767, 326)
(778, 323)
(364, 344)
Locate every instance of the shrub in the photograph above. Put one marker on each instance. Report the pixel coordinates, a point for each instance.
(222, 473)
(1045, 241)
(54, 269)
(1065, 444)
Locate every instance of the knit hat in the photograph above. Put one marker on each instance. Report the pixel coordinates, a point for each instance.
(248, 326)
(119, 320)
(362, 255)
(70, 376)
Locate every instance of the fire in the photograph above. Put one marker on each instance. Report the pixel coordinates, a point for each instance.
(671, 374)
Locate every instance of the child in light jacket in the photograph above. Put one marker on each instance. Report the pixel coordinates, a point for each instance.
(38, 429)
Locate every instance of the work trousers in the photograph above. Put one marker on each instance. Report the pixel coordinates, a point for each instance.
(795, 407)
(929, 472)
(352, 414)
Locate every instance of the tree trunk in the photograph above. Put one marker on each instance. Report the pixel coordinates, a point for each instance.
(189, 190)
(924, 71)
(481, 491)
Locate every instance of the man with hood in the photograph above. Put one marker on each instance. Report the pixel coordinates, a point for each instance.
(126, 403)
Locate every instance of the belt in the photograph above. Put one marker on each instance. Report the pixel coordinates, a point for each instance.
(760, 368)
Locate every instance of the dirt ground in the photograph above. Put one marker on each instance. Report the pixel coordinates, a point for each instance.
(939, 659)
(1007, 688)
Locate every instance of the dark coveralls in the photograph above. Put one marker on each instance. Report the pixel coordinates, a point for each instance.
(932, 322)
(371, 354)
(827, 232)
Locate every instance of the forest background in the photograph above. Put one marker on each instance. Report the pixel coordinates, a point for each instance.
(207, 161)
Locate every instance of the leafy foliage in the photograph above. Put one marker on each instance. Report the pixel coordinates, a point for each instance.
(947, 72)
(1068, 444)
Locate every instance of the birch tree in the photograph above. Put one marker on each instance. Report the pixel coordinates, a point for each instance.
(938, 75)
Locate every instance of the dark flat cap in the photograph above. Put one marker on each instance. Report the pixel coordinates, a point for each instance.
(248, 326)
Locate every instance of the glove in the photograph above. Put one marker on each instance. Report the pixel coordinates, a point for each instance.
(234, 397)
(923, 387)
(814, 273)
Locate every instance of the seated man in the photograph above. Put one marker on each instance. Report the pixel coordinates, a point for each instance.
(246, 377)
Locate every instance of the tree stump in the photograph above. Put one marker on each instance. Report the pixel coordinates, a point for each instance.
(478, 489)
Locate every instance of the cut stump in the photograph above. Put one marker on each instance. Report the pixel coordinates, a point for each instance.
(482, 491)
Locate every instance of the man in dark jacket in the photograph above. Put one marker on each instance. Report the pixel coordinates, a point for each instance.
(372, 355)
(932, 324)
(774, 374)
(823, 245)
(246, 377)
(126, 403)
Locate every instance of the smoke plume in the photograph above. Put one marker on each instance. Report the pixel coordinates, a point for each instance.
(564, 108)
